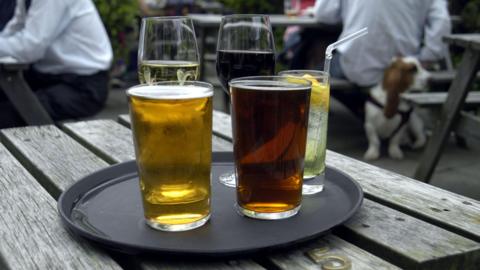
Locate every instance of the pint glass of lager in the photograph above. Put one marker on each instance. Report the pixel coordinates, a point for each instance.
(172, 133)
(269, 120)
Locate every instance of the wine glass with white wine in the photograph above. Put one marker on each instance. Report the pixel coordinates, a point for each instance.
(168, 50)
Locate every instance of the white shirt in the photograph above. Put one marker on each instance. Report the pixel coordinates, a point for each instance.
(395, 28)
(58, 36)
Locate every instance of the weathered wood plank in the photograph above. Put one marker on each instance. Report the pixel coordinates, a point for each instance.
(407, 241)
(468, 126)
(221, 119)
(437, 98)
(31, 232)
(94, 135)
(229, 265)
(456, 96)
(395, 236)
(464, 40)
(434, 205)
(113, 142)
(22, 98)
(55, 159)
(221, 124)
(124, 119)
(221, 145)
(328, 246)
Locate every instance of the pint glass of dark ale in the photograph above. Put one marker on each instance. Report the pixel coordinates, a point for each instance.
(269, 120)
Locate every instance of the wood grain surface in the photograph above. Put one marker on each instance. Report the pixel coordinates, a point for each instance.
(54, 158)
(434, 205)
(330, 245)
(437, 98)
(30, 229)
(407, 241)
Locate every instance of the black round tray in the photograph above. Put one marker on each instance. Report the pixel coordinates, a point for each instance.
(108, 210)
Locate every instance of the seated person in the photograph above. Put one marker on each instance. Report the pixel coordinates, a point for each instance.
(396, 28)
(68, 47)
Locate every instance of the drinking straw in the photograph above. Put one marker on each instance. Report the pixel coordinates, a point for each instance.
(333, 46)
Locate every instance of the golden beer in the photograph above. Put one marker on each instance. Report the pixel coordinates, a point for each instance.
(172, 131)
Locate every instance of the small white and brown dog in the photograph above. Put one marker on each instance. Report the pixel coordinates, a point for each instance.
(389, 118)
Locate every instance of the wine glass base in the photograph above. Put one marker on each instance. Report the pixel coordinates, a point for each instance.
(228, 179)
(267, 216)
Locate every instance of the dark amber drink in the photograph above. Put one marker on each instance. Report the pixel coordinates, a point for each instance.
(172, 131)
(270, 116)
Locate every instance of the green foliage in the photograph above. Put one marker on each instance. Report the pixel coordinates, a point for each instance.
(471, 16)
(254, 6)
(119, 18)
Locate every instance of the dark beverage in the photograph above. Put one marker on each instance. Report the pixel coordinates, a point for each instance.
(233, 64)
(270, 129)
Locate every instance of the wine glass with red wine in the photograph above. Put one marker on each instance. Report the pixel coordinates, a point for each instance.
(245, 48)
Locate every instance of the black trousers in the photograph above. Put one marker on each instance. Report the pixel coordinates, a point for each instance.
(64, 96)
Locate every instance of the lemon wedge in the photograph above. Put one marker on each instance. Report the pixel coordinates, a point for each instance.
(320, 96)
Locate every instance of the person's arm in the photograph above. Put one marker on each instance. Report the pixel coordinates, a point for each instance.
(328, 11)
(30, 43)
(437, 26)
(17, 21)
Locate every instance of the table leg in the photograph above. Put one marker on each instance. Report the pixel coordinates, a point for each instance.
(456, 96)
(23, 99)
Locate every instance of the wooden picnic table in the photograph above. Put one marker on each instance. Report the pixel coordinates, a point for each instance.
(402, 223)
(451, 116)
(13, 84)
(207, 24)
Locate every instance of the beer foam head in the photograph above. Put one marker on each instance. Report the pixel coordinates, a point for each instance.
(172, 91)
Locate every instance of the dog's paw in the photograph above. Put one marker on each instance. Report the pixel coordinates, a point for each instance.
(395, 152)
(419, 142)
(371, 154)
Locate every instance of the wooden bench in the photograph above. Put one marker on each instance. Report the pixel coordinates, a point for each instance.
(451, 116)
(437, 99)
(18, 92)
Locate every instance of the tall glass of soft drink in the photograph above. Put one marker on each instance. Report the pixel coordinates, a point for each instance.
(314, 174)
